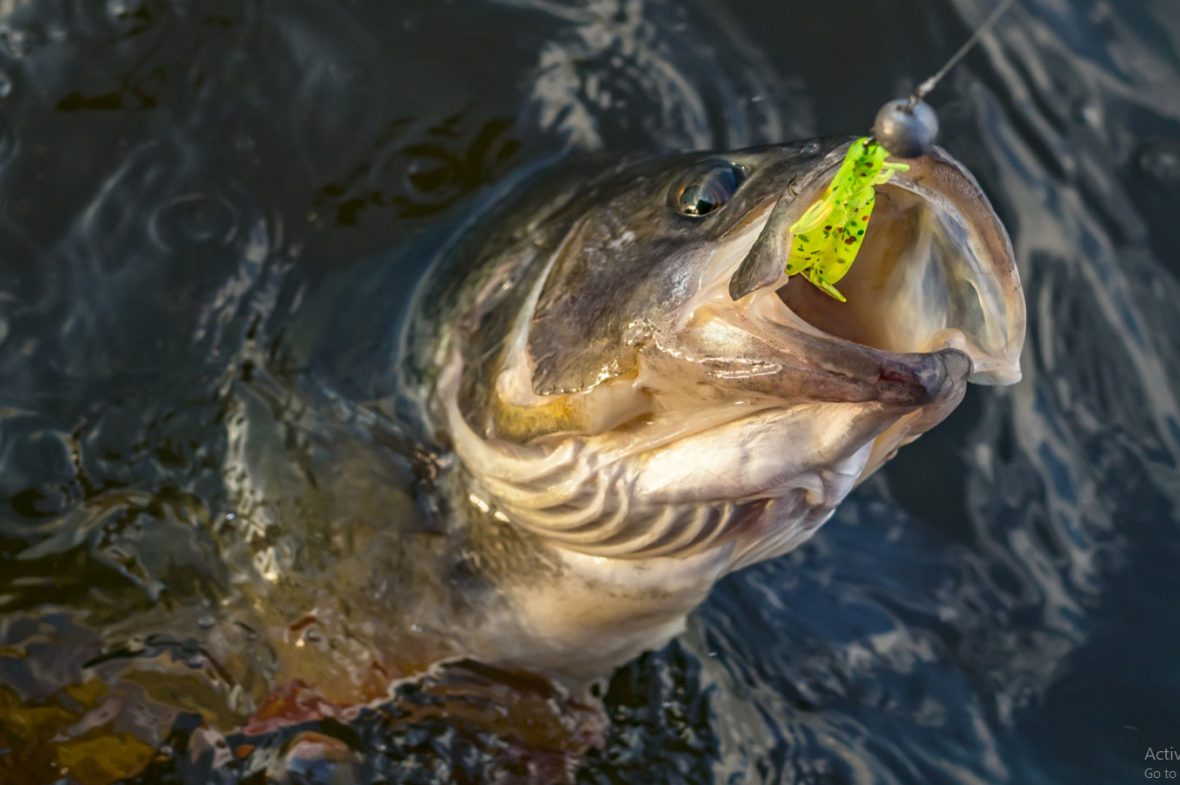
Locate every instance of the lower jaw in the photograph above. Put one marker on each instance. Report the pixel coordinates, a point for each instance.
(910, 426)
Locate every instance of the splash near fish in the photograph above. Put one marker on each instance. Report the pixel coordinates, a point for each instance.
(828, 236)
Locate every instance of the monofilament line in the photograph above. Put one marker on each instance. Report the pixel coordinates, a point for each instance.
(925, 87)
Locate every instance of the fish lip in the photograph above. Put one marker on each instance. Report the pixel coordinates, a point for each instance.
(922, 379)
(944, 185)
(938, 176)
(805, 363)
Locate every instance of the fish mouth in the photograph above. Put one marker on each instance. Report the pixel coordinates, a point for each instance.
(933, 297)
(936, 271)
(933, 302)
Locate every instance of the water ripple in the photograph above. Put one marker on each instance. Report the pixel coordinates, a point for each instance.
(207, 205)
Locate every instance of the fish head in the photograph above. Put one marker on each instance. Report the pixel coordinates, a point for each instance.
(662, 389)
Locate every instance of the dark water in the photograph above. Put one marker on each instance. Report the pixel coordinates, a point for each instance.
(196, 192)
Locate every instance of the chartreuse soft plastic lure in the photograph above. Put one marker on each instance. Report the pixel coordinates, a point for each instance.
(827, 238)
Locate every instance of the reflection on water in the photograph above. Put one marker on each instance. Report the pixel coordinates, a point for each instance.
(215, 206)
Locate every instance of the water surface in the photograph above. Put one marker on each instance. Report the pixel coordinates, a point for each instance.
(196, 191)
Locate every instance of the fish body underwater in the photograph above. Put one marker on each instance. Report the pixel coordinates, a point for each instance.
(590, 431)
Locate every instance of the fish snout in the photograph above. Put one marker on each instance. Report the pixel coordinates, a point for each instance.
(920, 379)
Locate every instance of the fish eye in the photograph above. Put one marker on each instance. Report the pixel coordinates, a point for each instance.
(707, 189)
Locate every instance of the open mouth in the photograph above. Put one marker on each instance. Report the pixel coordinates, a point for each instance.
(935, 271)
(933, 302)
(933, 297)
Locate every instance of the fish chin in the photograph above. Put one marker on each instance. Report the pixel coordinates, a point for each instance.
(777, 497)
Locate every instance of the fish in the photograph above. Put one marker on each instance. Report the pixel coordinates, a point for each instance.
(609, 396)
(635, 384)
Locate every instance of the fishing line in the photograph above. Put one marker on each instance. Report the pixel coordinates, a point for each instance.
(907, 127)
(826, 239)
(923, 89)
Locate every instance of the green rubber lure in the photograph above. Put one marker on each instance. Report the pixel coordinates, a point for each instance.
(826, 238)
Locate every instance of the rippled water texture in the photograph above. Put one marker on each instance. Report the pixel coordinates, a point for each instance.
(211, 206)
